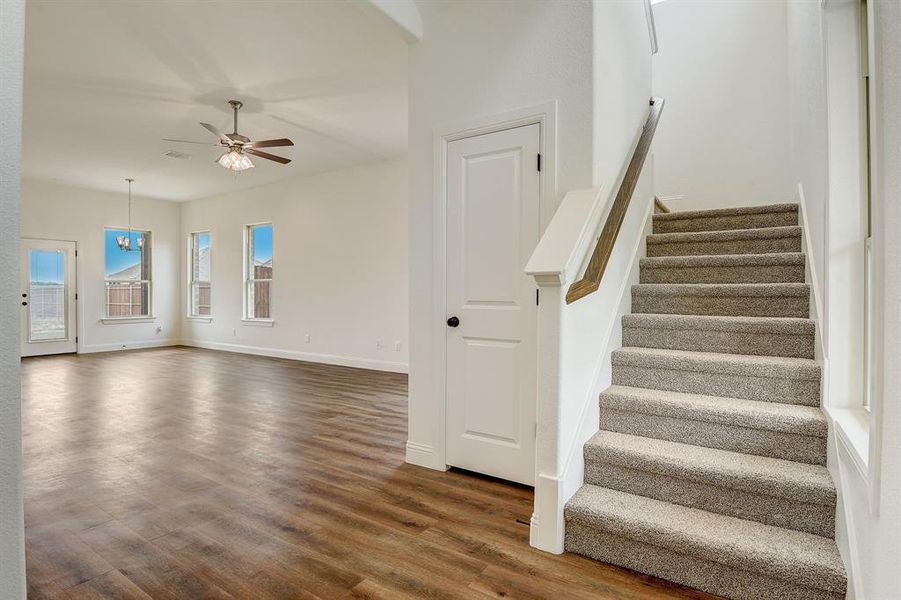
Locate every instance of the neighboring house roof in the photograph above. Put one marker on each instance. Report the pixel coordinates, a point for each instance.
(132, 272)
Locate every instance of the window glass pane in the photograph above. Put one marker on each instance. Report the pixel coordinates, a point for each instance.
(202, 256)
(127, 298)
(132, 264)
(200, 298)
(259, 267)
(47, 295)
(262, 251)
(200, 273)
(127, 273)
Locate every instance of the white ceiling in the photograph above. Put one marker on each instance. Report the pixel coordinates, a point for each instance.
(106, 80)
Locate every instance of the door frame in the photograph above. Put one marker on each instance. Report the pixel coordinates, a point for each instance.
(545, 116)
(76, 287)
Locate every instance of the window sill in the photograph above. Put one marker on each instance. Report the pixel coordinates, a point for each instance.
(258, 322)
(199, 319)
(125, 320)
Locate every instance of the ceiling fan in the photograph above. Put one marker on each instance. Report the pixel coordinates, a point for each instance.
(237, 146)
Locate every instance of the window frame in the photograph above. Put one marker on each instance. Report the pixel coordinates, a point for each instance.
(250, 280)
(148, 316)
(192, 312)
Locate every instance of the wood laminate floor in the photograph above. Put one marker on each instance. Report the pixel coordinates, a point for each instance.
(186, 473)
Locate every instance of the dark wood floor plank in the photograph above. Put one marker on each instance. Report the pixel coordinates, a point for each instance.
(186, 473)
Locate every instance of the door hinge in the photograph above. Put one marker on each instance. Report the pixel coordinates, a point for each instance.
(537, 291)
(76, 296)
(76, 339)
(76, 253)
(539, 163)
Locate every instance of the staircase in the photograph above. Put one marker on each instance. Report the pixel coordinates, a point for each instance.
(709, 467)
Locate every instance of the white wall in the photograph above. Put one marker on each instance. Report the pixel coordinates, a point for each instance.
(807, 103)
(339, 262)
(723, 139)
(12, 541)
(478, 59)
(622, 85)
(54, 211)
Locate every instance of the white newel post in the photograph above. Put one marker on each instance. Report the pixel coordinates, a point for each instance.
(546, 531)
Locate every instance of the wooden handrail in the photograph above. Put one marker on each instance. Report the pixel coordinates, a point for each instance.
(591, 280)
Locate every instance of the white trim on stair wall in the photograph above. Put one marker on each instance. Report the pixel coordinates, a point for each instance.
(575, 342)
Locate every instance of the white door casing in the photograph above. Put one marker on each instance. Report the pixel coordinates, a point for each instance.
(48, 297)
(493, 225)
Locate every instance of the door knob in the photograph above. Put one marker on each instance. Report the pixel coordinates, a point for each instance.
(453, 322)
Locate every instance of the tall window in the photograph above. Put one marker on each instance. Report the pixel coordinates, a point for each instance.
(200, 274)
(126, 274)
(258, 271)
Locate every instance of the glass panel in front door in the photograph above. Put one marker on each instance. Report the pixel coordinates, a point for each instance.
(46, 295)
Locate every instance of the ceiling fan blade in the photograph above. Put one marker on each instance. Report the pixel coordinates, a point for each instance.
(216, 132)
(267, 156)
(189, 142)
(269, 143)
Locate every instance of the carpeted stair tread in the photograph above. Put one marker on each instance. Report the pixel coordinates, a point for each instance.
(772, 552)
(727, 290)
(701, 323)
(753, 414)
(762, 475)
(761, 240)
(772, 215)
(723, 260)
(759, 233)
(762, 336)
(726, 299)
(738, 364)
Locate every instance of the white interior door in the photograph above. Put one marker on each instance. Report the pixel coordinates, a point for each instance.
(492, 228)
(48, 297)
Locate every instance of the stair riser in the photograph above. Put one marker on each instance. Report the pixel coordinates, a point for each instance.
(726, 385)
(686, 569)
(726, 222)
(728, 342)
(738, 274)
(762, 442)
(817, 519)
(727, 306)
(752, 246)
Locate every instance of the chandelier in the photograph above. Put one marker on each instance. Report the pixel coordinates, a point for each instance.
(124, 241)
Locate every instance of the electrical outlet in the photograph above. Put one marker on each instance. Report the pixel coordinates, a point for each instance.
(234, 331)
(379, 344)
(306, 338)
(159, 329)
(397, 346)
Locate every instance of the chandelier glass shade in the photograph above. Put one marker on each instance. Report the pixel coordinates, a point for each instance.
(235, 160)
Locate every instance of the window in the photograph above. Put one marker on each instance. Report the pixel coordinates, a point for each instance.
(200, 274)
(258, 271)
(126, 274)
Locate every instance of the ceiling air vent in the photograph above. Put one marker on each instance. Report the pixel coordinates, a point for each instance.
(177, 154)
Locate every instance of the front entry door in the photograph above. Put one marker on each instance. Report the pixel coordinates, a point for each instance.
(48, 297)
(492, 228)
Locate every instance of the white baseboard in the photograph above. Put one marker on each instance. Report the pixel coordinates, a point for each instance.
(132, 345)
(423, 455)
(328, 359)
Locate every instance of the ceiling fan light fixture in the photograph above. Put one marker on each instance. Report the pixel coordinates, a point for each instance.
(235, 160)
